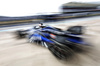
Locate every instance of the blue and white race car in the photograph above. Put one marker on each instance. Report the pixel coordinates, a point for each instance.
(59, 42)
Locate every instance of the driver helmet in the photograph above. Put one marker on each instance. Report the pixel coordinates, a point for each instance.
(41, 25)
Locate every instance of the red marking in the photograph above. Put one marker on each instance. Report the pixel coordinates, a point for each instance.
(53, 36)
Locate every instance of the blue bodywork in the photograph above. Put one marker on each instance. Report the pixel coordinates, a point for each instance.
(45, 37)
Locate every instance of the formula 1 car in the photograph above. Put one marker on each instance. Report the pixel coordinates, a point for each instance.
(61, 43)
(78, 30)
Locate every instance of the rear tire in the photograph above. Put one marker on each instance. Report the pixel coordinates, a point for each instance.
(76, 30)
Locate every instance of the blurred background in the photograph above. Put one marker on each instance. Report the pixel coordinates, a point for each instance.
(33, 7)
(24, 14)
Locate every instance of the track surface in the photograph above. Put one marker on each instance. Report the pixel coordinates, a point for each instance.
(14, 52)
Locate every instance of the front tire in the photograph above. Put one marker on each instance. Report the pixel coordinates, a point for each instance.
(21, 34)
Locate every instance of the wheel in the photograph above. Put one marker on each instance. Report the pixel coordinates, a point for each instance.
(21, 34)
(76, 30)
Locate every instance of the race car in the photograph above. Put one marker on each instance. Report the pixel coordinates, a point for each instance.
(61, 43)
(72, 30)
